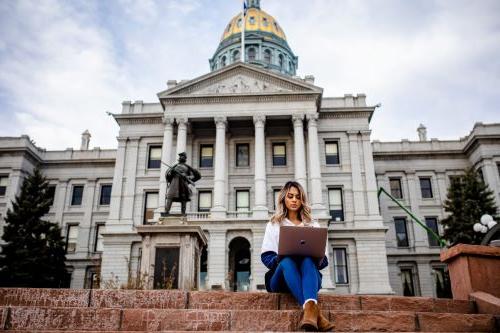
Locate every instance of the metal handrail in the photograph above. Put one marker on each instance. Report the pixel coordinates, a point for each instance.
(441, 242)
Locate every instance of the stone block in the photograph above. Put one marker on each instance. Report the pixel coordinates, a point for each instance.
(146, 299)
(373, 321)
(453, 322)
(326, 302)
(44, 297)
(384, 303)
(277, 320)
(31, 318)
(172, 320)
(486, 303)
(453, 306)
(233, 301)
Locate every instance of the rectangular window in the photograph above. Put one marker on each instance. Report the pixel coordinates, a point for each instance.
(151, 203)
(332, 152)
(426, 187)
(335, 204)
(242, 154)
(72, 238)
(105, 195)
(407, 281)
(340, 266)
(154, 158)
(51, 192)
(3, 185)
(279, 154)
(431, 223)
(401, 231)
(242, 202)
(77, 196)
(206, 156)
(276, 194)
(204, 201)
(396, 191)
(98, 244)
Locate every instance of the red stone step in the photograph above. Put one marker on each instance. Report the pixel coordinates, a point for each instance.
(105, 319)
(174, 299)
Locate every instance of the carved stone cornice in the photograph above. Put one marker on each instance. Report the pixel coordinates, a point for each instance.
(345, 114)
(139, 118)
(234, 99)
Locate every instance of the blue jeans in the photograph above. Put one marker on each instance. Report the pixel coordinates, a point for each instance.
(299, 276)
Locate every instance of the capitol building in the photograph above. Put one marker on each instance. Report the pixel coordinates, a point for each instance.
(249, 127)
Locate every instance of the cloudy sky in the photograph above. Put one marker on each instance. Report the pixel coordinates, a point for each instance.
(63, 64)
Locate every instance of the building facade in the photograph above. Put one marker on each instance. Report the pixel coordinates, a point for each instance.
(249, 127)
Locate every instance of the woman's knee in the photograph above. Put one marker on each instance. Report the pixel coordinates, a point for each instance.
(308, 262)
(287, 263)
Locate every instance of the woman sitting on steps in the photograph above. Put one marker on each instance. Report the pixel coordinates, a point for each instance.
(299, 276)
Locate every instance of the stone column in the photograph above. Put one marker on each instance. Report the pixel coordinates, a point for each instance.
(318, 209)
(300, 153)
(60, 201)
(260, 207)
(128, 199)
(419, 233)
(357, 183)
(85, 227)
(219, 208)
(116, 190)
(490, 177)
(371, 184)
(442, 188)
(216, 253)
(257, 267)
(166, 155)
(181, 135)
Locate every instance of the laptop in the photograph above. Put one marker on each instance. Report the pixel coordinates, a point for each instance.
(302, 241)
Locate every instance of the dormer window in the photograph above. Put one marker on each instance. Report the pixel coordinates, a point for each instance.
(267, 56)
(223, 61)
(239, 23)
(265, 22)
(252, 20)
(281, 61)
(236, 55)
(251, 54)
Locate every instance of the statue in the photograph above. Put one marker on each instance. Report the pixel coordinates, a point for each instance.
(179, 177)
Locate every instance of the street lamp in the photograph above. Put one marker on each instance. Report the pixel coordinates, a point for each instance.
(487, 223)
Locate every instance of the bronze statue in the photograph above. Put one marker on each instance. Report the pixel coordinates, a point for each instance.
(179, 177)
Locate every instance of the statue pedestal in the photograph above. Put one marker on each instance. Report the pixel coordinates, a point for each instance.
(473, 268)
(171, 252)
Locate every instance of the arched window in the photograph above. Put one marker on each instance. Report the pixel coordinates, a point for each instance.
(281, 61)
(236, 55)
(265, 22)
(267, 56)
(290, 67)
(223, 61)
(251, 54)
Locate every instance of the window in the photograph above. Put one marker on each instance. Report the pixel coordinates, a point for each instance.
(396, 191)
(407, 281)
(223, 61)
(431, 223)
(276, 193)
(251, 54)
(242, 154)
(290, 67)
(236, 56)
(51, 192)
(98, 243)
(206, 156)
(442, 283)
(335, 204)
(265, 22)
(105, 195)
(204, 201)
(76, 198)
(426, 187)
(267, 56)
(151, 203)
(239, 23)
(332, 152)
(154, 160)
(242, 201)
(340, 266)
(279, 154)
(401, 231)
(71, 238)
(252, 20)
(3, 185)
(281, 61)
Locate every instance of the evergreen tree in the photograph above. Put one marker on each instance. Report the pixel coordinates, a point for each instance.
(34, 251)
(468, 199)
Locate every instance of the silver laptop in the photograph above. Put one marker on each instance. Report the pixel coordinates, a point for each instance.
(302, 241)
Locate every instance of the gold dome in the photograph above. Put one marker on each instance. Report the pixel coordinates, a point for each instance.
(256, 20)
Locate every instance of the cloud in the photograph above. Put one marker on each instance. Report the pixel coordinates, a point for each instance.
(64, 63)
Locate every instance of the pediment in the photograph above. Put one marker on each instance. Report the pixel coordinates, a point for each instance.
(240, 79)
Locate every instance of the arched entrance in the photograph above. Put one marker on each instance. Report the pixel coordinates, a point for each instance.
(239, 264)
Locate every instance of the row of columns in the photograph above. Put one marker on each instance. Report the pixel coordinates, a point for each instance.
(260, 209)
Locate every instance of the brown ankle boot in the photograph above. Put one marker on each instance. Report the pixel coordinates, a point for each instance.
(324, 325)
(310, 320)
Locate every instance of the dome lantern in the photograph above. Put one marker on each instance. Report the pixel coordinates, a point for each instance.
(254, 4)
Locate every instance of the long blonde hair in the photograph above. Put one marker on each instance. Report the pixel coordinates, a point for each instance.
(281, 210)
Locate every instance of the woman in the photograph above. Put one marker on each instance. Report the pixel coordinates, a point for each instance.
(298, 275)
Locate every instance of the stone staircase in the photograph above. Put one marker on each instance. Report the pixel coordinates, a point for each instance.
(56, 310)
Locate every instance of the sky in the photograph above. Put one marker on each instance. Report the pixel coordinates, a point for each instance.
(64, 64)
